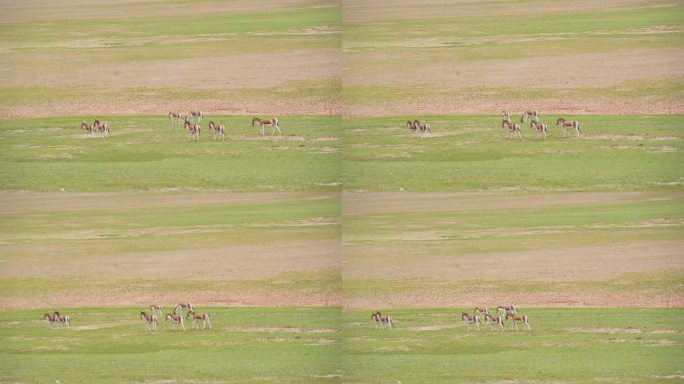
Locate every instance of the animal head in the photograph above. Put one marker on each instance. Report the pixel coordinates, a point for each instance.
(560, 120)
(255, 120)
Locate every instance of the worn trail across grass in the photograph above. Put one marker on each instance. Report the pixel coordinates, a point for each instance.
(565, 345)
(111, 345)
(471, 153)
(148, 153)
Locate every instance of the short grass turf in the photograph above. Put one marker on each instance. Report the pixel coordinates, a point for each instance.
(112, 345)
(472, 153)
(148, 153)
(595, 345)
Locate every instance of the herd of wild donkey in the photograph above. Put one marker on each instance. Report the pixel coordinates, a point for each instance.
(192, 123)
(381, 321)
(507, 312)
(176, 317)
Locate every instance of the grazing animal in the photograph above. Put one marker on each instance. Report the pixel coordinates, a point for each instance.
(51, 319)
(569, 124)
(193, 129)
(470, 319)
(512, 128)
(382, 321)
(181, 306)
(195, 115)
(62, 319)
(218, 129)
(150, 320)
(175, 117)
(156, 308)
(102, 127)
(540, 127)
(533, 114)
(87, 127)
(421, 127)
(482, 310)
(410, 125)
(175, 319)
(262, 123)
(498, 320)
(199, 316)
(512, 309)
(518, 319)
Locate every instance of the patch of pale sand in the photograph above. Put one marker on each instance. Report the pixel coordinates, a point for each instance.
(618, 330)
(665, 138)
(569, 263)
(322, 341)
(327, 138)
(25, 202)
(564, 299)
(327, 150)
(230, 261)
(402, 155)
(278, 330)
(396, 202)
(435, 327)
(382, 10)
(589, 70)
(399, 348)
(614, 137)
(251, 71)
(666, 149)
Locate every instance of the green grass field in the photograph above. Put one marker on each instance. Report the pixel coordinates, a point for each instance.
(149, 57)
(564, 346)
(112, 345)
(148, 153)
(211, 248)
(407, 58)
(471, 153)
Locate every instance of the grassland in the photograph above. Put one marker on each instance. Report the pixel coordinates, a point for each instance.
(553, 249)
(111, 345)
(148, 153)
(565, 345)
(471, 153)
(151, 57)
(481, 57)
(68, 249)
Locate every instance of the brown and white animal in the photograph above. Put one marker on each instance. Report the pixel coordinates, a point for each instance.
(262, 123)
(194, 130)
(156, 308)
(175, 319)
(483, 310)
(421, 127)
(102, 127)
(541, 128)
(218, 129)
(518, 319)
(506, 309)
(199, 316)
(181, 306)
(470, 319)
(506, 115)
(512, 128)
(62, 319)
(175, 117)
(51, 319)
(533, 114)
(87, 127)
(150, 320)
(195, 115)
(492, 320)
(569, 124)
(382, 321)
